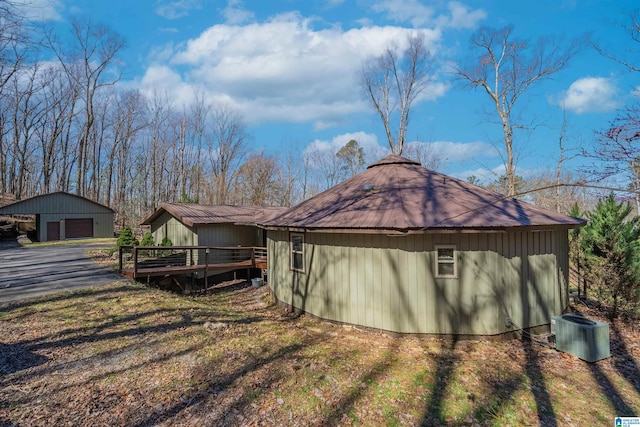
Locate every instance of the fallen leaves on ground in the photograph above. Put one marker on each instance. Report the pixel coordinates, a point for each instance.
(128, 355)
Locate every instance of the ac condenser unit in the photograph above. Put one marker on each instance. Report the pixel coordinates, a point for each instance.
(584, 338)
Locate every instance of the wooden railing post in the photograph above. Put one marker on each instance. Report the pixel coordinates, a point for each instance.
(135, 262)
(120, 258)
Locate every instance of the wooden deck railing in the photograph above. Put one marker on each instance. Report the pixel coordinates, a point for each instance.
(151, 261)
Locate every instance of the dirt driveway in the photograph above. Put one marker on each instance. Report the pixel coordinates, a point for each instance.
(39, 270)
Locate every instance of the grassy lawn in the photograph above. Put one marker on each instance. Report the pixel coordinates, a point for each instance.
(128, 355)
(97, 240)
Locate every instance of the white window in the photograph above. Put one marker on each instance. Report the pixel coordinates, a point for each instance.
(446, 265)
(297, 251)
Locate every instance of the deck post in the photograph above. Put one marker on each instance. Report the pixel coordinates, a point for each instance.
(120, 258)
(135, 262)
(206, 269)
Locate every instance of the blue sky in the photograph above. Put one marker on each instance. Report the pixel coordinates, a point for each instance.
(291, 68)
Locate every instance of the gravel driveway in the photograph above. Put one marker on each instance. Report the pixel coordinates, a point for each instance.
(39, 270)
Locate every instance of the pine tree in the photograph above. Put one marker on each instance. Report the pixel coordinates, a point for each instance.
(127, 238)
(147, 240)
(612, 249)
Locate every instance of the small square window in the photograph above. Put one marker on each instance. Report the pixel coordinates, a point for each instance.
(446, 265)
(297, 252)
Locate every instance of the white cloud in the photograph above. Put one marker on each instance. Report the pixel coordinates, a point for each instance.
(39, 10)
(483, 175)
(453, 152)
(236, 13)
(462, 17)
(286, 70)
(163, 80)
(420, 15)
(177, 8)
(369, 143)
(590, 95)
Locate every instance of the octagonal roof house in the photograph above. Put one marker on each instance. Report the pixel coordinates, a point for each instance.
(406, 249)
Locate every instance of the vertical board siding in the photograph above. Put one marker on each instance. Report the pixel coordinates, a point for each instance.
(388, 282)
(57, 207)
(168, 226)
(102, 223)
(229, 235)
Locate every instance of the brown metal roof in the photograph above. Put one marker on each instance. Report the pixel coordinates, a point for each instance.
(27, 206)
(399, 194)
(194, 214)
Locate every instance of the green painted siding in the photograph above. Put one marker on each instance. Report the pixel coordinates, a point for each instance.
(57, 207)
(102, 224)
(179, 234)
(388, 282)
(229, 235)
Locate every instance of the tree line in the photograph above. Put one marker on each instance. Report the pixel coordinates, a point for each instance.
(66, 125)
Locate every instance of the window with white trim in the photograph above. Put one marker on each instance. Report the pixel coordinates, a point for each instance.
(446, 265)
(296, 246)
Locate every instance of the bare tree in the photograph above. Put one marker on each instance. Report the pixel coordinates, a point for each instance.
(326, 169)
(14, 41)
(226, 142)
(506, 69)
(289, 181)
(27, 112)
(628, 59)
(128, 115)
(421, 153)
(93, 51)
(199, 113)
(14, 45)
(257, 181)
(155, 159)
(618, 150)
(393, 81)
(57, 98)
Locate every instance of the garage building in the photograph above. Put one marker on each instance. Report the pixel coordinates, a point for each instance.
(61, 216)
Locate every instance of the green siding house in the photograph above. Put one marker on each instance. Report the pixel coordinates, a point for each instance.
(405, 249)
(62, 216)
(204, 225)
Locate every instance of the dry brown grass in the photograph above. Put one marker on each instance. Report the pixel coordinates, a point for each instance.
(128, 355)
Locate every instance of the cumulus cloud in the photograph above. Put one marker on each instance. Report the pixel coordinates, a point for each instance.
(39, 10)
(419, 14)
(236, 13)
(284, 69)
(462, 17)
(484, 176)
(162, 80)
(453, 152)
(590, 95)
(177, 8)
(369, 143)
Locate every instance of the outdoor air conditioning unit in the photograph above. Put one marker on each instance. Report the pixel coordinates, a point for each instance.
(584, 338)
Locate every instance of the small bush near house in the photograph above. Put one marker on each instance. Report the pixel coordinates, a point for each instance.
(147, 240)
(165, 242)
(127, 238)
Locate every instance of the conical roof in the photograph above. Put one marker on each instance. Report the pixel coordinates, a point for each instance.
(396, 193)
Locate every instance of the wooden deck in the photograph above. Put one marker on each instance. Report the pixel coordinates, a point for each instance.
(154, 261)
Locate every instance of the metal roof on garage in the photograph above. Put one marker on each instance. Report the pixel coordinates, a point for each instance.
(57, 202)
